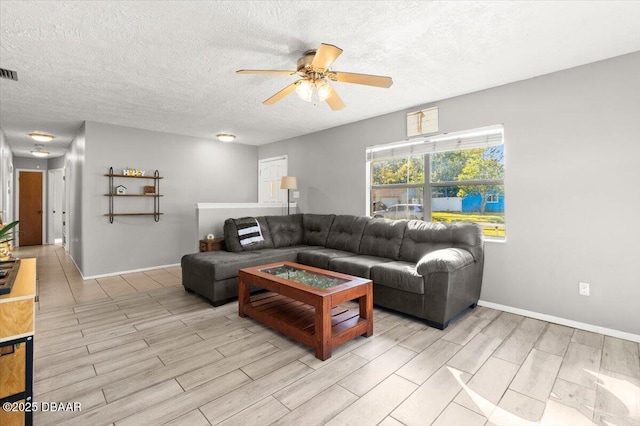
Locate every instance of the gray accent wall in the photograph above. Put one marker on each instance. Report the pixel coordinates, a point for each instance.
(30, 163)
(55, 163)
(572, 144)
(194, 170)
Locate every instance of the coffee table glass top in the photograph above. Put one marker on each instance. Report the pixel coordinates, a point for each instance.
(303, 276)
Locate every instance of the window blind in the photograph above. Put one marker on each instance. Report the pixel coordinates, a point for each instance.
(478, 138)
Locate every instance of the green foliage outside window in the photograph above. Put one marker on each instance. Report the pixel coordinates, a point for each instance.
(480, 172)
(398, 170)
(470, 165)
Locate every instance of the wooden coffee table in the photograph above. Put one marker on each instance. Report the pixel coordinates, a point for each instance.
(302, 302)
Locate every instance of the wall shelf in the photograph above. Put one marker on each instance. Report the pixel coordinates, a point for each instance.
(134, 214)
(132, 177)
(156, 196)
(134, 195)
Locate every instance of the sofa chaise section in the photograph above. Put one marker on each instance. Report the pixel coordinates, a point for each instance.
(214, 275)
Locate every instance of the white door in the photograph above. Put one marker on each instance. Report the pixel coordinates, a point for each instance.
(55, 205)
(270, 172)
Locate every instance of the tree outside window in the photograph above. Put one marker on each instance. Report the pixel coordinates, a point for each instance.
(464, 185)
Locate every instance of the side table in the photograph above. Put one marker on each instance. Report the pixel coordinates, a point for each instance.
(212, 245)
(16, 345)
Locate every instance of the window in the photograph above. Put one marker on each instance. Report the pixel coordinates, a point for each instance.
(452, 177)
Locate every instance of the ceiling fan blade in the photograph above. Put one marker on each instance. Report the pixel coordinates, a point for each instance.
(325, 55)
(277, 72)
(334, 101)
(366, 79)
(281, 94)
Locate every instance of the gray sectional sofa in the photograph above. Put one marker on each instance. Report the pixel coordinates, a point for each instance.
(429, 270)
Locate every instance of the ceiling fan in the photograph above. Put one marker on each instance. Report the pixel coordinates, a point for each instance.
(313, 67)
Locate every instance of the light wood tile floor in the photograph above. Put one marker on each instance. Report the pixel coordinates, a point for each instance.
(136, 349)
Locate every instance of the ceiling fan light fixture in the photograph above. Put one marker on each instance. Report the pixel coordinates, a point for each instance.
(324, 89)
(305, 90)
(225, 137)
(39, 152)
(41, 137)
(314, 68)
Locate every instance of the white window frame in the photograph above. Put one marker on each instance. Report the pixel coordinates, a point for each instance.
(477, 138)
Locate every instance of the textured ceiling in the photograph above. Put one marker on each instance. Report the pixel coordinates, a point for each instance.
(170, 66)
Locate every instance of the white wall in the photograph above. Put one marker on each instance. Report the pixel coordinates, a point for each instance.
(210, 217)
(570, 138)
(194, 170)
(74, 172)
(6, 181)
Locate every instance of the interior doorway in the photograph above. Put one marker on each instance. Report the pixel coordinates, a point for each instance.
(30, 207)
(270, 172)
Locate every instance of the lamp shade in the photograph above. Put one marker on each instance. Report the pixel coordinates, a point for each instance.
(288, 182)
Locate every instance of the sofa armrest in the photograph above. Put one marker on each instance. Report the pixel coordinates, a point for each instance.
(444, 260)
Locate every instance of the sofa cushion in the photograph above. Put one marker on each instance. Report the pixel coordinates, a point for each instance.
(286, 231)
(232, 241)
(346, 233)
(422, 237)
(398, 275)
(316, 228)
(359, 266)
(320, 257)
(382, 238)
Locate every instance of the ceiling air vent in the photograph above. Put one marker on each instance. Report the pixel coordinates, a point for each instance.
(8, 74)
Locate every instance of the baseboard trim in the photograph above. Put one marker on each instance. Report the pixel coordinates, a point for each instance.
(563, 321)
(112, 274)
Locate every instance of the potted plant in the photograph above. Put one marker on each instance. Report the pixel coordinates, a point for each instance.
(5, 237)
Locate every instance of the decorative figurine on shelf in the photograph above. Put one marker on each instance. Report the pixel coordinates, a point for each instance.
(133, 172)
(149, 190)
(121, 190)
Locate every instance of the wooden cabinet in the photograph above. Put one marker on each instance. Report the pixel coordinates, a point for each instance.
(215, 244)
(16, 345)
(114, 194)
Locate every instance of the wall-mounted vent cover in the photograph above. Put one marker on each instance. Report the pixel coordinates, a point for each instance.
(8, 74)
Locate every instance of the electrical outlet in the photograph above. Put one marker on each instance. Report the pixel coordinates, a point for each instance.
(584, 289)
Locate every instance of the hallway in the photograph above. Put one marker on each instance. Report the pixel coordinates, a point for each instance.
(59, 282)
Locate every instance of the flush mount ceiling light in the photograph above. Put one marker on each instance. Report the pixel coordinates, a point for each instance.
(39, 151)
(225, 137)
(41, 137)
